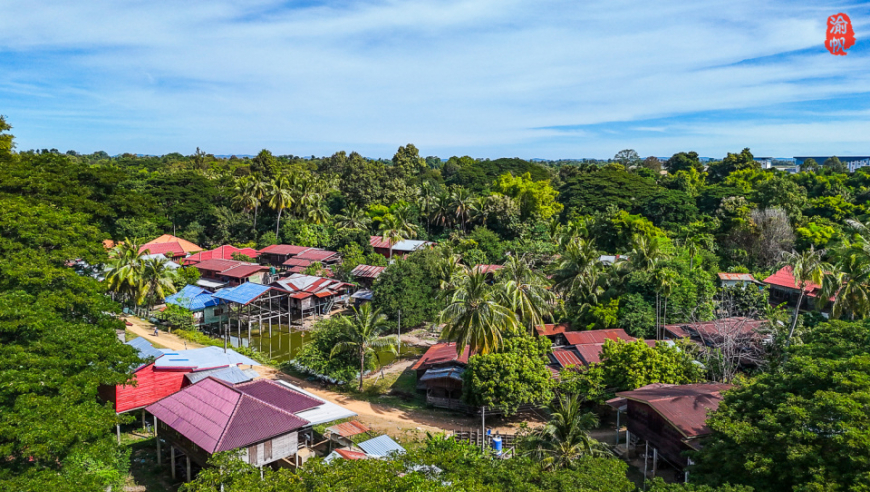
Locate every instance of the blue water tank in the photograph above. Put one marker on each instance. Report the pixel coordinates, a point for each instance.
(496, 444)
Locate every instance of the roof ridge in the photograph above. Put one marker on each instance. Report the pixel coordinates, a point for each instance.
(223, 435)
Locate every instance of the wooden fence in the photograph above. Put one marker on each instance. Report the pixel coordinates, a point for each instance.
(477, 436)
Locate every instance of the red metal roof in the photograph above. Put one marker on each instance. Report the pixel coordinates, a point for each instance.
(284, 249)
(590, 353)
(244, 270)
(278, 395)
(684, 406)
(351, 455)
(348, 429)
(378, 242)
(441, 353)
(317, 255)
(224, 252)
(596, 336)
(297, 262)
(566, 357)
(367, 271)
(186, 246)
(487, 268)
(301, 295)
(784, 278)
(325, 293)
(220, 417)
(217, 265)
(714, 329)
(163, 249)
(551, 329)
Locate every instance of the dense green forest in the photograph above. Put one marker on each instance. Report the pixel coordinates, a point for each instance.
(798, 422)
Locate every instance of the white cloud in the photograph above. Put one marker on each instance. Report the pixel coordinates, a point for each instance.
(453, 77)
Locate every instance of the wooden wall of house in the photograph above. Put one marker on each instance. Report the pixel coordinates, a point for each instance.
(648, 425)
(151, 386)
(271, 450)
(183, 444)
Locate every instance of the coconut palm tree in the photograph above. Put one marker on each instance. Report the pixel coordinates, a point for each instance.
(125, 269)
(462, 205)
(362, 332)
(440, 212)
(848, 282)
(392, 230)
(525, 291)
(317, 213)
(353, 218)
(280, 195)
(474, 316)
(806, 267)
(257, 188)
(646, 253)
(666, 280)
(565, 438)
(579, 262)
(156, 281)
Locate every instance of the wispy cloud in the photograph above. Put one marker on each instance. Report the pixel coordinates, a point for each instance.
(549, 78)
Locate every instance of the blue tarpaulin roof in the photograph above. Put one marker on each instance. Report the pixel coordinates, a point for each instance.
(193, 298)
(242, 294)
(381, 446)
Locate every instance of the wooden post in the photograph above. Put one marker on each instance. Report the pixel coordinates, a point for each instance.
(483, 428)
(157, 438)
(172, 460)
(617, 426)
(655, 460)
(187, 478)
(627, 441)
(118, 428)
(143, 419)
(645, 455)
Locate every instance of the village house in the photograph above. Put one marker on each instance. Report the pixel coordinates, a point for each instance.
(667, 419)
(439, 375)
(738, 279)
(309, 295)
(583, 348)
(225, 252)
(366, 275)
(401, 248)
(170, 246)
(266, 421)
(783, 288)
(276, 254)
(231, 272)
(207, 310)
(555, 332)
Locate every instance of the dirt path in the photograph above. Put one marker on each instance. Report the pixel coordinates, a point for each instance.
(383, 418)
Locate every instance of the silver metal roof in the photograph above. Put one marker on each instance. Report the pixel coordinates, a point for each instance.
(381, 446)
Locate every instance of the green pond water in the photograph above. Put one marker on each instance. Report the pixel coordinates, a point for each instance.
(283, 344)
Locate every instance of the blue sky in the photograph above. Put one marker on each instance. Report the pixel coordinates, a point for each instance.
(545, 78)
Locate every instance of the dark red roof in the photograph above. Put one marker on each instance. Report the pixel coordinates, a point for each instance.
(348, 429)
(784, 278)
(596, 336)
(351, 455)
(278, 395)
(684, 406)
(219, 417)
(441, 353)
(297, 262)
(379, 242)
(244, 270)
(566, 357)
(217, 265)
(713, 329)
(551, 329)
(284, 249)
(317, 255)
(367, 271)
(590, 353)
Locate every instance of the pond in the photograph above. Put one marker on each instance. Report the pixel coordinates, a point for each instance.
(283, 344)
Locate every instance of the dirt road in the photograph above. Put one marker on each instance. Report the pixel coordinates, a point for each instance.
(382, 418)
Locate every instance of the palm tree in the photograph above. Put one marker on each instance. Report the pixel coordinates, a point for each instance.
(353, 218)
(646, 253)
(473, 315)
(441, 210)
(427, 198)
(462, 205)
(156, 281)
(257, 188)
(666, 280)
(849, 282)
(565, 438)
(363, 335)
(280, 197)
(806, 267)
(392, 230)
(317, 213)
(525, 291)
(579, 262)
(125, 269)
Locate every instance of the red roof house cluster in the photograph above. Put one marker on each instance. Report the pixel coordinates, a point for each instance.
(224, 252)
(170, 246)
(233, 272)
(584, 347)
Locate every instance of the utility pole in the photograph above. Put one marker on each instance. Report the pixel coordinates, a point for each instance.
(483, 428)
(400, 332)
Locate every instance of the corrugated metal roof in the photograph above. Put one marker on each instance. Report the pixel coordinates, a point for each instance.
(590, 353)
(242, 294)
(443, 373)
(367, 271)
(218, 417)
(325, 412)
(596, 336)
(407, 245)
(317, 255)
(713, 329)
(284, 249)
(224, 252)
(381, 446)
(745, 277)
(364, 294)
(348, 429)
(232, 375)
(147, 352)
(785, 278)
(297, 262)
(566, 357)
(244, 270)
(193, 298)
(163, 248)
(217, 265)
(551, 329)
(279, 396)
(186, 246)
(441, 353)
(201, 358)
(684, 406)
